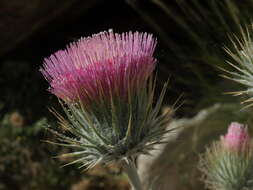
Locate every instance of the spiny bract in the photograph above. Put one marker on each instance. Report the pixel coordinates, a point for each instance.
(242, 54)
(228, 163)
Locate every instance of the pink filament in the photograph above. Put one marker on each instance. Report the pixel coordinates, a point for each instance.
(100, 66)
(237, 137)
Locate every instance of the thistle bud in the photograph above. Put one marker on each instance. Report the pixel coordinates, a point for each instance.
(237, 137)
(227, 164)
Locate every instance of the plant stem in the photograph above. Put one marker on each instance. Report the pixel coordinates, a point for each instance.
(131, 171)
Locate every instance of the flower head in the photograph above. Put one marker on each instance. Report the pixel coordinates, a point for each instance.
(106, 64)
(237, 137)
(227, 164)
(106, 85)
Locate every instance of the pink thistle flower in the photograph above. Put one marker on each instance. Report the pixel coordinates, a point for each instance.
(101, 66)
(237, 137)
(109, 94)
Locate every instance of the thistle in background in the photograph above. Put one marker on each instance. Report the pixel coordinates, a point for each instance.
(228, 163)
(105, 82)
(243, 57)
(237, 138)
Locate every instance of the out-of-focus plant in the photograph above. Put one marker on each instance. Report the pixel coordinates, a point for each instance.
(107, 91)
(24, 159)
(227, 164)
(193, 34)
(242, 62)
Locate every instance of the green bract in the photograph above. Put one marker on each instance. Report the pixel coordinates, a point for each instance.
(112, 130)
(243, 57)
(227, 170)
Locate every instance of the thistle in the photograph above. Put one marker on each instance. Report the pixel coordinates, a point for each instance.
(228, 163)
(243, 57)
(106, 89)
(237, 138)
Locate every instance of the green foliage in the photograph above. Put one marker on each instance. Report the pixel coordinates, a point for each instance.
(24, 159)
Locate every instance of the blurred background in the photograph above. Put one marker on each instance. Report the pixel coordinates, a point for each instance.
(191, 36)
